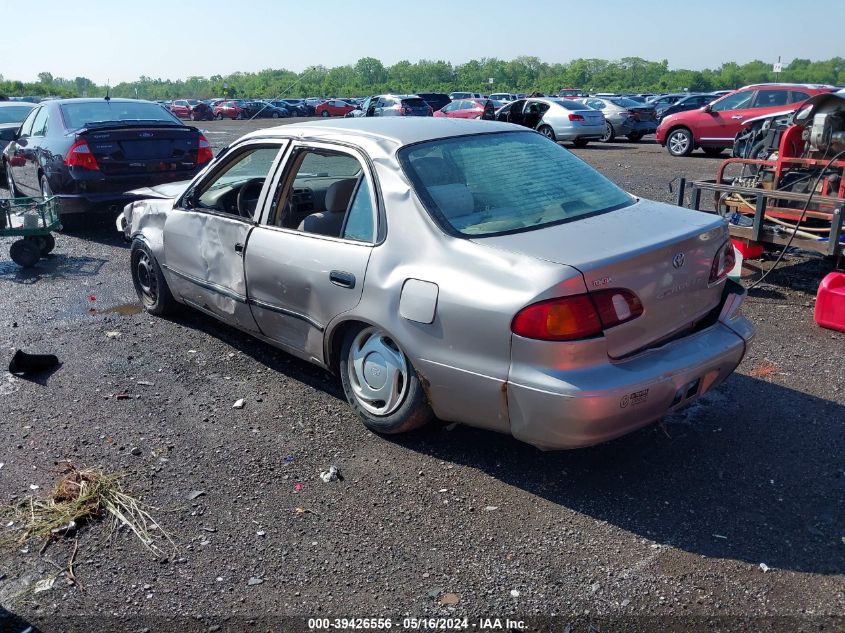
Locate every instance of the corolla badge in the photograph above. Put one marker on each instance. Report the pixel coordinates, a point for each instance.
(145, 134)
(678, 260)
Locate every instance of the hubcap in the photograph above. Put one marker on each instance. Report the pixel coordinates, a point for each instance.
(607, 133)
(378, 372)
(547, 132)
(678, 143)
(145, 275)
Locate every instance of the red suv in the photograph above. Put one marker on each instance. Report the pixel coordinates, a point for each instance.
(713, 127)
(229, 110)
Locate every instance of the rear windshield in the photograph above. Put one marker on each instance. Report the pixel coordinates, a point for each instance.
(415, 102)
(626, 103)
(77, 115)
(14, 114)
(569, 104)
(500, 183)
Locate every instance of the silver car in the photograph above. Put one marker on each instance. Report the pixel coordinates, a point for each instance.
(625, 117)
(556, 119)
(468, 270)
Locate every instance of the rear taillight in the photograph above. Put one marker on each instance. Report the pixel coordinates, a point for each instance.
(578, 316)
(576, 117)
(723, 263)
(204, 153)
(79, 155)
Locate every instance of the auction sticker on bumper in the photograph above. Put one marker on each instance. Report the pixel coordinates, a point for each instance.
(638, 397)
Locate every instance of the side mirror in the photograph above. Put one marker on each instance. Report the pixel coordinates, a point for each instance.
(707, 108)
(20, 142)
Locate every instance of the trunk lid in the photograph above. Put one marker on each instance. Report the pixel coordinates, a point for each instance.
(637, 248)
(145, 149)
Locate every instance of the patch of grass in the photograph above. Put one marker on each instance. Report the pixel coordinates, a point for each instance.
(83, 496)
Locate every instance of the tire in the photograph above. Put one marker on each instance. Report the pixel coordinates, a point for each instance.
(366, 354)
(324, 113)
(150, 284)
(548, 132)
(580, 142)
(238, 116)
(46, 191)
(45, 243)
(275, 115)
(713, 151)
(609, 135)
(635, 137)
(219, 116)
(25, 253)
(10, 183)
(679, 142)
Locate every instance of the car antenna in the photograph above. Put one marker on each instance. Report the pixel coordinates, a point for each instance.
(107, 97)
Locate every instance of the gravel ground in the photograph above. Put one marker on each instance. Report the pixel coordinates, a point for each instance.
(673, 521)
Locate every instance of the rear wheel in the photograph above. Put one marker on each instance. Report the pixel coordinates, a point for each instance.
(324, 113)
(275, 115)
(680, 142)
(380, 383)
(239, 116)
(580, 142)
(25, 253)
(609, 134)
(219, 116)
(149, 282)
(713, 151)
(548, 132)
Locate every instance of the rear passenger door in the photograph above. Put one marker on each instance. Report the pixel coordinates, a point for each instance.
(515, 115)
(31, 154)
(307, 258)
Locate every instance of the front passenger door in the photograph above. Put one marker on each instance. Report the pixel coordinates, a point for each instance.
(515, 115)
(206, 233)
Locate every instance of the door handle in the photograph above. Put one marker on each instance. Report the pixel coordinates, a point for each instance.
(239, 249)
(737, 116)
(342, 279)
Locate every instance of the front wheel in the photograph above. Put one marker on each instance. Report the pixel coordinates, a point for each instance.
(219, 116)
(635, 137)
(380, 383)
(580, 142)
(150, 284)
(324, 113)
(680, 142)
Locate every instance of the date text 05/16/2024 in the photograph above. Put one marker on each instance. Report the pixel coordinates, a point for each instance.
(415, 624)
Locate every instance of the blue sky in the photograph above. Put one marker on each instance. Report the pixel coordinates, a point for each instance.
(121, 40)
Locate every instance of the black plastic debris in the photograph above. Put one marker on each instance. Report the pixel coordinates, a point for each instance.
(23, 363)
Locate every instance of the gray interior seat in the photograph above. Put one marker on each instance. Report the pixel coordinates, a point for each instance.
(330, 221)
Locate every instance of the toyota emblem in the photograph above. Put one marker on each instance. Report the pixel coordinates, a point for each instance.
(678, 260)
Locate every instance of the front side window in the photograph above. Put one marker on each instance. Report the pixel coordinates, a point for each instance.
(236, 188)
(490, 184)
(735, 101)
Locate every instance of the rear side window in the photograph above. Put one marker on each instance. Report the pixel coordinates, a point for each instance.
(490, 184)
(39, 126)
(771, 98)
(414, 103)
(796, 96)
(569, 105)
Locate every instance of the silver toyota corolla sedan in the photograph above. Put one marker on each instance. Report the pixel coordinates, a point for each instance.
(470, 270)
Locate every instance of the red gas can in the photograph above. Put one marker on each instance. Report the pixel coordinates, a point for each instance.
(830, 302)
(751, 250)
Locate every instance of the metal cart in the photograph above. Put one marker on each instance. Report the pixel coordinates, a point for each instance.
(32, 219)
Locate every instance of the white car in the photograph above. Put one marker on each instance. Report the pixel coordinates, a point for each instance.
(556, 119)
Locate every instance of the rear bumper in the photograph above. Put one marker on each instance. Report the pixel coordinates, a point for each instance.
(586, 132)
(585, 405)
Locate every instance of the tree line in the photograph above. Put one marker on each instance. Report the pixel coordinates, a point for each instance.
(369, 76)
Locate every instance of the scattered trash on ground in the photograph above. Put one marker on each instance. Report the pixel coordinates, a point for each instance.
(113, 334)
(491, 508)
(450, 599)
(254, 581)
(289, 459)
(146, 383)
(297, 487)
(82, 496)
(194, 494)
(764, 567)
(23, 363)
(261, 533)
(44, 585)
(303, 511)
(332, 474)
(765, 369)
(239, 404)
(514, 593)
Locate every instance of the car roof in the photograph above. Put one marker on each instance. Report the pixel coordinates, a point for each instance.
(17, 103)
(384, 135)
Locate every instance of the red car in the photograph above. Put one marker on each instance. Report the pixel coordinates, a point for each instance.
(229, 110)
(714, 127)
(334, 107)
(468, 109)
(193, 109)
